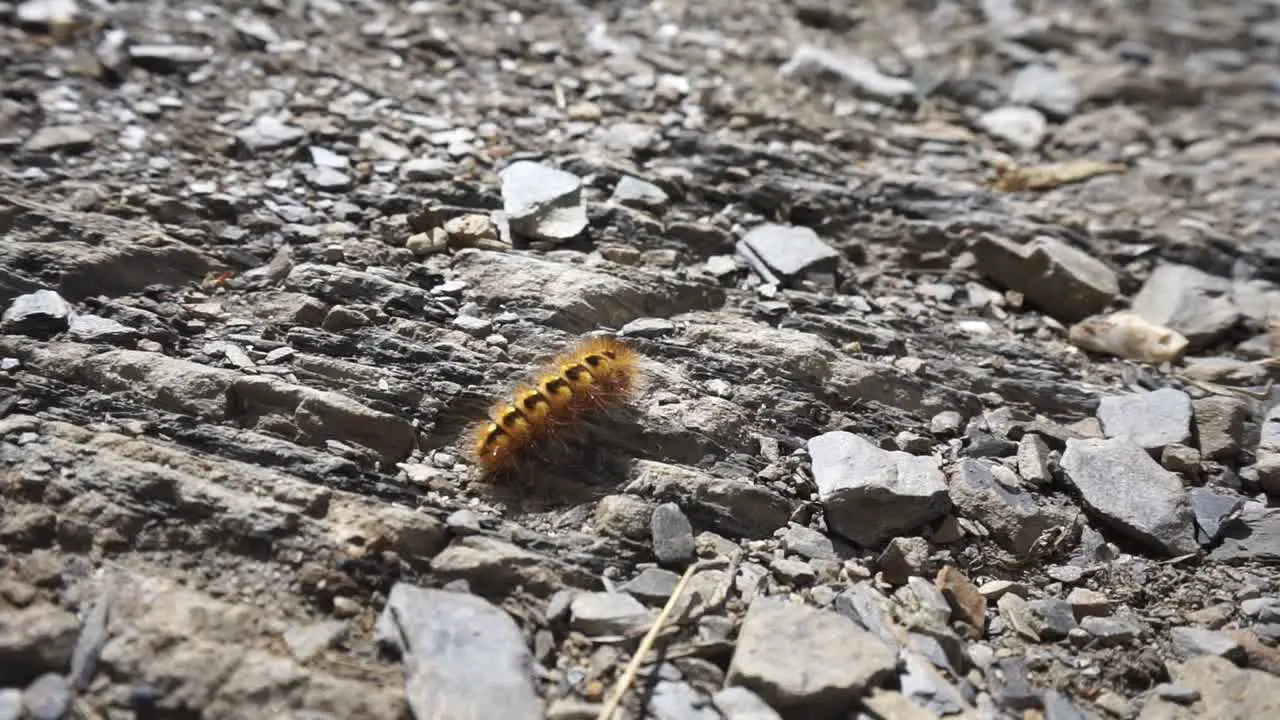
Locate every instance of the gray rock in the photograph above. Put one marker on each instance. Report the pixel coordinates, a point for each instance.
(1258, 300)
(1212, 508)
(784, 252)
(494, 568)
(93, 328)
(255, 31)
(1110, 127)
(1047, 89)
(1059, 707)
(10, 704)
(557, 609)
(1051, 617)
(921, 683)
(802, 660)
(324, 157)
(1220, 426)
(1269, 437)
(1224, 689)
(1123, 487)
(1268, 632)
(884, 703)
(427, 169)
(269, 133)
(88, 648)
(61, 138)
(347, 285)
(628, 137)
(1225, 371)
(903, 557)
(306, 641)
(40, 314)
(1033, 460)
(652, 585)
(985, 444)
(1268, 472)
(1180, 694)
(648, 328)
(732, 507)
(913, 444)
(860, 74)
(1193, 642)
(1066, 283)
(807, 542)
(794, 572)
(47, 698)
(328, 179)
(625, 516)
(947, 422)
(464, 522)
(484, 672)
(542, 202)
(1264, 609)
(869, 608)
(675, 700)
(1000, 12)
(939, 645)
(634, 192)
(750, 580)
(1182, 460)
(722, 267)
(1110, 631)
(1189, 301)
(928, 597)
(1013, 516)
(1151, 420)
(576, 297)
(1088, 603)
(1069, 574)
(685, 429)
(1022, 127)
(871, 494)
(672, 535)
(45, 13)
(608, 613)
(1254, 536)
(739, 703)
(35, 640)
(1011, 684)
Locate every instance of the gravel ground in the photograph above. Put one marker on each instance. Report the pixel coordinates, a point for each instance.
(957, 326)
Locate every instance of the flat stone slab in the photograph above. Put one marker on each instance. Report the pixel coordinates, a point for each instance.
(465, 659)
(871, 494)
(806, 661)
(1128, 491)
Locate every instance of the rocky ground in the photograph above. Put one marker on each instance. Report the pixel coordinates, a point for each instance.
(956, 320)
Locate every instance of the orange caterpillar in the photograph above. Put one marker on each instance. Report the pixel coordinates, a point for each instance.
(593, 374)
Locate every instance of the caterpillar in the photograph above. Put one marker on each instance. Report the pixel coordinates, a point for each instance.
(590, 376)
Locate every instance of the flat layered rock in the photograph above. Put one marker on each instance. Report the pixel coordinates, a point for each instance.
(1067, 283)
(1224, 691)
(803, 660)
(1151, 420)
(483, 671)
(1013, 515)
(1189, 301)
(1128, 491)
(871, 494)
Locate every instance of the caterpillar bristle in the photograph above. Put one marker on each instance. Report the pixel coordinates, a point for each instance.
(590, 376)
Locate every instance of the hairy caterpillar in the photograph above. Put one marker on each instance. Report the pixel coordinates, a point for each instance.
(592, 375)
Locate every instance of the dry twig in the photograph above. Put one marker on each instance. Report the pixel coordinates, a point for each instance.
(646, 644)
